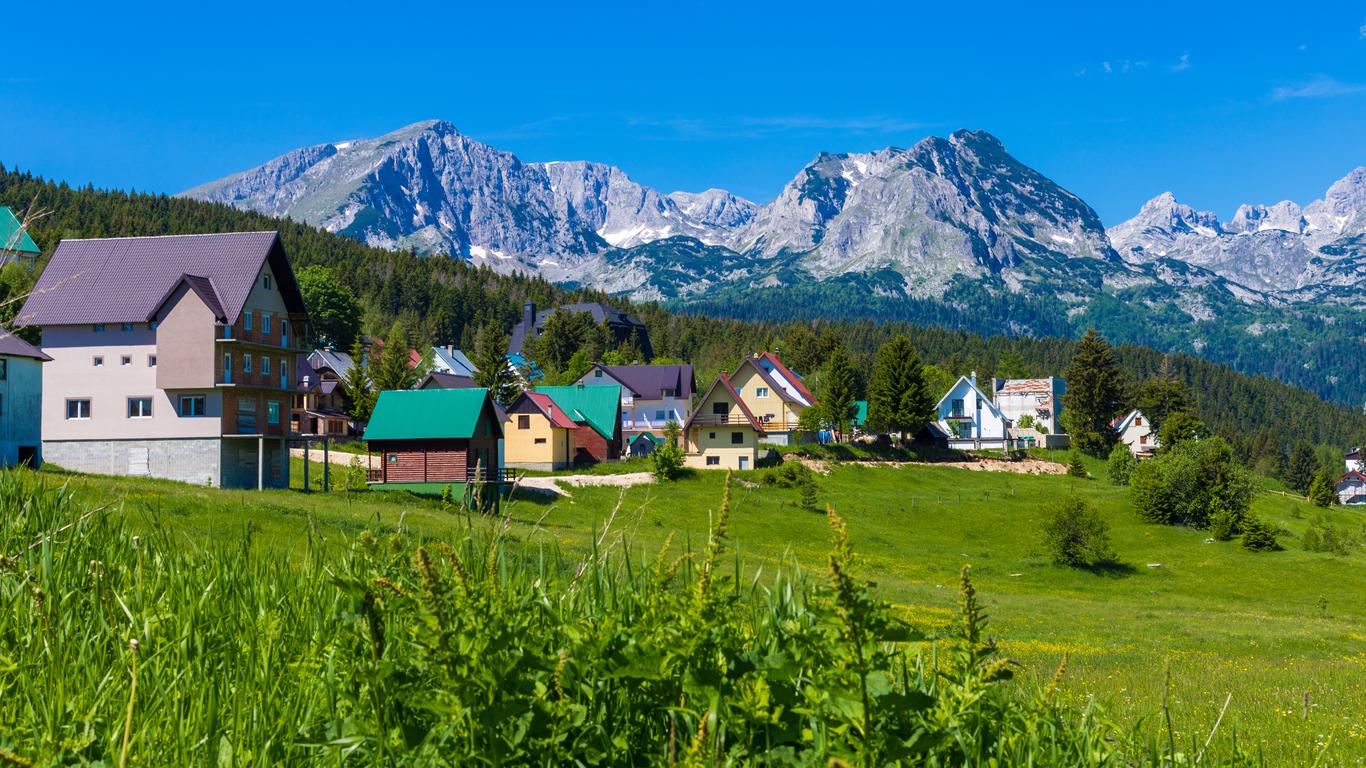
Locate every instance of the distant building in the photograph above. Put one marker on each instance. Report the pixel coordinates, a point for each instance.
(651, 396)
(450, 360)
(1136, 432)
(774, 394)
(552, 428)
(1353, 460)
(971, 420)
(722, 433)
(1038, 399)
(172, 357)
(443, 380)
(642, 445)
(1352, 488)
(625, 328)
(430, 439)
(21, 401)
(320, 403)
(15, 243)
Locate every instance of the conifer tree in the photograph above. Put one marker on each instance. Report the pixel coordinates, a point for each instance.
(1321, 491)
(394, 369)
(1299, 473)
(492, 371)
(837, 393)
(1095, 394)
(356, 385)
(898, 400)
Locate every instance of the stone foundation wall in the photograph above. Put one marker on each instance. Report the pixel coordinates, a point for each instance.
(189, 460)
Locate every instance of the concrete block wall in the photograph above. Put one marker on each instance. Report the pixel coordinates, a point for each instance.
(189, 460)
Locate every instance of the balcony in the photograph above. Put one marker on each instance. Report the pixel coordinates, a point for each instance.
(769, 425)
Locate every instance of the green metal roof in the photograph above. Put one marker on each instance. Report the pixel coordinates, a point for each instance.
(425, 414)
(9, 227)
(861, 415)
(598, 405)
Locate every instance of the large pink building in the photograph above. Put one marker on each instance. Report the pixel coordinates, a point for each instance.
(171, 357)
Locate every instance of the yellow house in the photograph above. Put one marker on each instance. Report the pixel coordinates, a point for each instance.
(773, 394)
(538, 434)
(722, 433)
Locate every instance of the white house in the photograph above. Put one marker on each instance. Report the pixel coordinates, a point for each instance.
(1352, 488)
(21, 401)
(651, 395)
(1353, 460)
(450, 360)
(970, 418)
(1136, 432)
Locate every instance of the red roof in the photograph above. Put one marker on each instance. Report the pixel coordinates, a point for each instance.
(789, 375)
(558, 418)
(1353, 475)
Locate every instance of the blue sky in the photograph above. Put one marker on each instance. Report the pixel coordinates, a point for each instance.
(1220, 105)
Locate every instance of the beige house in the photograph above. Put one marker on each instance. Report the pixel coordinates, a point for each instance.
(773, 394)
(172, 357)
(722, 432)
(1136, 432)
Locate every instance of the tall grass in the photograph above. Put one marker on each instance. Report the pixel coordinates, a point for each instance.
(155, 650)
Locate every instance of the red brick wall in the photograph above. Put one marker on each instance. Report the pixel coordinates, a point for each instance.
(586, 437)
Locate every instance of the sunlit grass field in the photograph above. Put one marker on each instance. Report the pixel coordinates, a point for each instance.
(1280, 637)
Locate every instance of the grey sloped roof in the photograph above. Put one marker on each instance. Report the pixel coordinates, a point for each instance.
(14, 346)
(338, 362)
(124, 279)
(599, 312)
(647, 381)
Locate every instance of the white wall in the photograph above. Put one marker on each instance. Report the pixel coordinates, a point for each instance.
(987, 424)
(72, 374)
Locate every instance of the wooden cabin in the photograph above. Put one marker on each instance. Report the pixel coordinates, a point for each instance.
(427, 439)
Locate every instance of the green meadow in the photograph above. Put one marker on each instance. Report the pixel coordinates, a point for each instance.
(1183, 638)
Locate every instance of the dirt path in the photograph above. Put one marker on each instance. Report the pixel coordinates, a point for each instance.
(551, 483)
(341, 458)
(1022, 467)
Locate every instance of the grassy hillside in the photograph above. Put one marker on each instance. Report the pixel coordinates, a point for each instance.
(1278, 634)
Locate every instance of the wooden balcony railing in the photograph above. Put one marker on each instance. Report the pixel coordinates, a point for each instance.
(738, 420)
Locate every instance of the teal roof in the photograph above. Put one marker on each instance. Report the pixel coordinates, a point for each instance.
(649, 437)
(9, 227)
(425, 414)
(861, 414)
(598, 405)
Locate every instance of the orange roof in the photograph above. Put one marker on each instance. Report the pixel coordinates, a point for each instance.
(558, 418)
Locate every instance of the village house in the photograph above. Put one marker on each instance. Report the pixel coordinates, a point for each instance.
(551, 428)
(1033, 407)
(452, 361)
(171, 357)
(625, 329)
(722, 432)
(428, 440)
(320, 403)
(1352, 488)
(643, 444)
(1353, 460)
(1136, 432)
(971, 420)
(651, 395)
(15, 243)
(774, 395)
(21, 401)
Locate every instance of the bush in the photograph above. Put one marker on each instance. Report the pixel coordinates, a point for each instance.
(1076, 535)
(1321, 492)
(1191, 484)
(1259, 535)
(789, 474)
(1121, 464)
(1323, 536)
(1075, 468)
(667, 457)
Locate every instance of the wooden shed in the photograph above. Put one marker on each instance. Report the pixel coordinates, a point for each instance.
(429, 439)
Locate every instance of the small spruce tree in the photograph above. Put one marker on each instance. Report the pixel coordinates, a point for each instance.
(1321, 492)
(1075, 467)
(1121, 464)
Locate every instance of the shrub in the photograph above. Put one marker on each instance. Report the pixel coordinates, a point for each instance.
(1121, 464)
(1190, 484)
(1075, 468)
(1259, 535)
(809, 502)
(1321, 492)
(667, 457)
(1323, 536)
(1223, 526)
(1076, 535)
(789, 474)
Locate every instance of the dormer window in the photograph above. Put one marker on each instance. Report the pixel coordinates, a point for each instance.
(265, 282)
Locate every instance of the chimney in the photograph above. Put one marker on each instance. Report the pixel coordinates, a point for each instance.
(529, 316)
(450, 350)
(973, 378)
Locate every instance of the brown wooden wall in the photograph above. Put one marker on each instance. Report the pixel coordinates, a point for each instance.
(431, 461)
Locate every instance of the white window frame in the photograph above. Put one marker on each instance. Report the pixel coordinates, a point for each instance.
(265, 365)
(125, 360)
(79, 416)
(151, 361)
(246, 320)
(265, 281)
(203, 405)
(97, 361)
(760, 391)
(141, 414)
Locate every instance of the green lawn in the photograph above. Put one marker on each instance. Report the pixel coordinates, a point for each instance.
(1284, 633)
